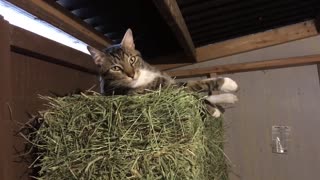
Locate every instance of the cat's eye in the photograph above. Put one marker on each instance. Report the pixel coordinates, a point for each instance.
(115, 68)
(132, 59)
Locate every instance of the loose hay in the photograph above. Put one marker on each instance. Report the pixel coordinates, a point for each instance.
(160, 135)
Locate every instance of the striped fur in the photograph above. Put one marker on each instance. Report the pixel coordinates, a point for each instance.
(124, 72)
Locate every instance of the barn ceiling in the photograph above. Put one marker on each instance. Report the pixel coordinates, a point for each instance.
(211, 21)
(193, 23)
(112, 17)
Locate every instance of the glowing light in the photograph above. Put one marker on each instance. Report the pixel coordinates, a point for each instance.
(27, 21)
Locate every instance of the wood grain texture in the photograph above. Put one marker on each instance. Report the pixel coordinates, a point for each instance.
(251, 66)
(23, 76)
(6, 155)
(170, 11)
(256, 41)
(63, 19)
(31, 77)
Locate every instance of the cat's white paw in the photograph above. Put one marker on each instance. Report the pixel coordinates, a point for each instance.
(226, 98)
(217, 113)
(229, 85)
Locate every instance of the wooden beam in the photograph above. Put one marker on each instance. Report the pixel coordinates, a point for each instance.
(251, 66)
(170, 11)
(30, 44)
(59, 17)
(164, 67)
(256, 41)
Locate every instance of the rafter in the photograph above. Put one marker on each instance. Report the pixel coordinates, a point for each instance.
(256, 41)
(170, 11)
(252, 42)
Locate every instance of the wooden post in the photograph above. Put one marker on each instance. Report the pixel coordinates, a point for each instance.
(318, 65)
(211, 75)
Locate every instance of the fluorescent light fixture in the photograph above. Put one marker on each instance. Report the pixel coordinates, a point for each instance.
(27, 21)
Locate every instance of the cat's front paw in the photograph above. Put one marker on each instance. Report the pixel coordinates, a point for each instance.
(226, 98)
(214, 111)
(217, 113)
(229, 85)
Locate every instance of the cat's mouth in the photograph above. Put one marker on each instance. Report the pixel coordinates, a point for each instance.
(136, 76)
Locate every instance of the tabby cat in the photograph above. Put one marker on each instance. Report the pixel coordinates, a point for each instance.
(123, 72)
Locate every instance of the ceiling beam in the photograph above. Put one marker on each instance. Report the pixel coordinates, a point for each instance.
(170, 11)
(252, 42)
(256, 41)
(59, 17)
(245, 67)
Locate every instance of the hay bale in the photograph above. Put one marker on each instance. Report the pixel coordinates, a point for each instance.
(160, 135)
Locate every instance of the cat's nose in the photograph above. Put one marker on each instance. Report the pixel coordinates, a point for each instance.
(131, 75)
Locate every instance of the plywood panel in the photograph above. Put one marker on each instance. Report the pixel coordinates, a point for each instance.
(5, 95)
(31, 65)
(31, 77)
(290, 97)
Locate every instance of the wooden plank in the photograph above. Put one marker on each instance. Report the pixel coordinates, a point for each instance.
(32, 69)
(63, 19)
(28, 43)
(31, 77)
(170, 11)
(244, 67)
(6, 155)
(256, 41)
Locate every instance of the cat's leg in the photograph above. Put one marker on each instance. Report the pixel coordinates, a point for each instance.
(224, 84)
(213, 103)
(226, 98)
(214, 110)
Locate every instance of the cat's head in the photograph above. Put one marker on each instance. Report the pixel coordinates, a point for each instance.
(120, 63)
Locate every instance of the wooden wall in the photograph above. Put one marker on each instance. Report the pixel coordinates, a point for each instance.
(287, 97)
(32, 65)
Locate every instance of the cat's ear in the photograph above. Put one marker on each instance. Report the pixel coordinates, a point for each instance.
(97, 55)
(127, 41)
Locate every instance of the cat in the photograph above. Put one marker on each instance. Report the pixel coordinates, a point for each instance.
(123, 71)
